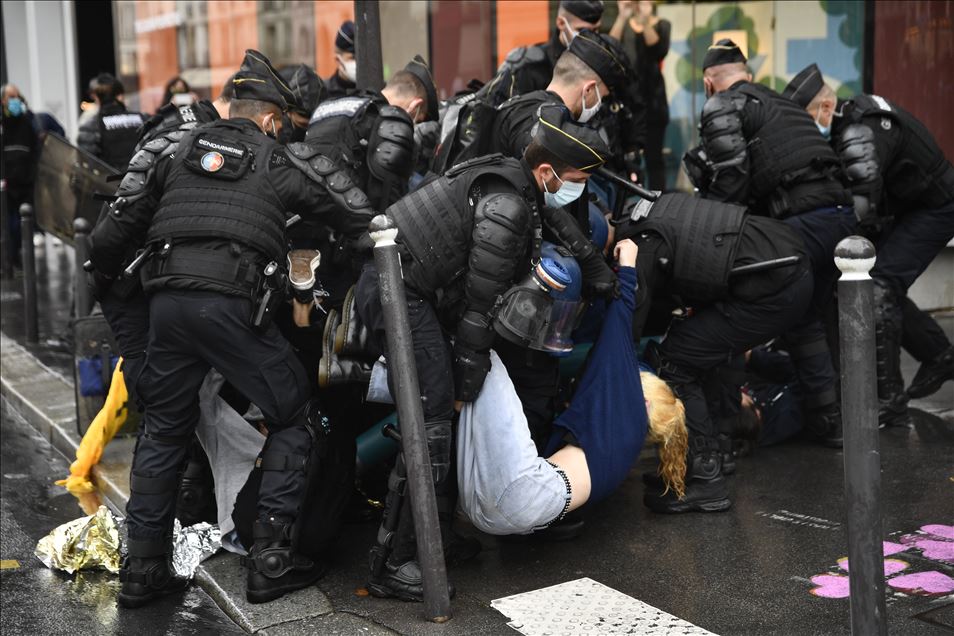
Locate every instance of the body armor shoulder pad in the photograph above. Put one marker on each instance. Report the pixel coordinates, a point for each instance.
(302, 150)
(142, 166)
(722, 129)
(391, 147)
(337, 182)
(523, 55)
(856, 148)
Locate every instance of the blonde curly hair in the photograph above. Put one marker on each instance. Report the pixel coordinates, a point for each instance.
(667, 429)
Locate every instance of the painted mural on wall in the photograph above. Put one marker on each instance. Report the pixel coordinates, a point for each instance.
(780, 38)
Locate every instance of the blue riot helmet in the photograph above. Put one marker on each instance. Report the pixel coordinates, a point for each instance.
(540, 311)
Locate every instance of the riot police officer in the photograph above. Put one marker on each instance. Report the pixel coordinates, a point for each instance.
(465, 238)
(688, 249)
(342, 81)
(760, 150)
(212, 218)
(309, 91)
(903, 188)
(113, 133)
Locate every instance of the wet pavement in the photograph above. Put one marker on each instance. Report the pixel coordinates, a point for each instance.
(37, 600)
(746, 571)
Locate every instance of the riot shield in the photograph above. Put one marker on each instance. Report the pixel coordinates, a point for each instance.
(67, 178)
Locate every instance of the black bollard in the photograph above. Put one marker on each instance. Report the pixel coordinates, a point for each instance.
(30, 325)
(407, 394)
(84, 303)
(367, 45)
(855, 256)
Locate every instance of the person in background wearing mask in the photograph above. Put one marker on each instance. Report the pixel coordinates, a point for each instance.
(645, 39)
(113, 133)
(344, 79)
(178, 93)
(903, 189)
(20, 148)
(762, 151)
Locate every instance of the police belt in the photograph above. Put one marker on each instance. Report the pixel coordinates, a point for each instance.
(216, 266)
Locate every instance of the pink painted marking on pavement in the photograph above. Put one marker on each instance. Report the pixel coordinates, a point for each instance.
(830, 586)
(893, 548)
(943, 532)
(936, 550)
(923, 583)
(891, 566)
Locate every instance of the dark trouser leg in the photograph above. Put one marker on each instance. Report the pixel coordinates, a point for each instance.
(893, 400)
(924, 339)
(693, 348)
(432, 356)
(128, 318)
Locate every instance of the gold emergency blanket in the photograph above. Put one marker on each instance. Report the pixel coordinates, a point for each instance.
(82, 544)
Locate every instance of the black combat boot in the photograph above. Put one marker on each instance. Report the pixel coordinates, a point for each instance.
(824, 423)
(146, 574)
(196, 500)
(274, 568)
(931, 375)
(706, 489)
(351, 336)
(404, 581)
(333, 370)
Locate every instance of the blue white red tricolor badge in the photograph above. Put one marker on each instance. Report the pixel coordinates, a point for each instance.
(212, 161)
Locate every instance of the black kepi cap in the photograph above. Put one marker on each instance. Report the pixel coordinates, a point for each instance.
(308, 88)
(255, 62)
(419, 69)
(579, 146)
(587, 10)
(344, 38)
(252, 85)
(601, 54)
(725, 51)
(804, 86)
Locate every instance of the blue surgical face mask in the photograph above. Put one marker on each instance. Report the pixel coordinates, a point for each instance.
(567, 193)
(15, 106)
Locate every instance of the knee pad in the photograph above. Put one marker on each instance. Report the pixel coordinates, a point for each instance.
(439, 435)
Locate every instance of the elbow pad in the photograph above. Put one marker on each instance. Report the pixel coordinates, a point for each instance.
(474, 331)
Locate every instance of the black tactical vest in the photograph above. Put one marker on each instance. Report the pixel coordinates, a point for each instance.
(435, 222)
(218, 189)
(703, 236)
(119, 134)
(793, 168)
(919, 173)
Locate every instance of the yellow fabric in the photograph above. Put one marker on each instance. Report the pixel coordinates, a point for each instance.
(109, 420)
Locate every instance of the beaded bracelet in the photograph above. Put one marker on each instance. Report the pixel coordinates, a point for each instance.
(569, 496)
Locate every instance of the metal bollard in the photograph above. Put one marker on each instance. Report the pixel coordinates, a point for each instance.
(407, 394)
(855, 256)
(30, 325)
(367, 25)
(81, 230)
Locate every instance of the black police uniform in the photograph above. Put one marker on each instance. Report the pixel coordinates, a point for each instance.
(687, 249)
(894, 163)
(112, 134)
(765, 152)
(464, 238)
(215, 215)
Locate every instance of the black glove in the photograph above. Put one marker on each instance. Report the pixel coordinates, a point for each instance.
(698, 168)
(470, 370)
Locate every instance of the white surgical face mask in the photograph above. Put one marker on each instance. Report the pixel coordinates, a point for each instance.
(351, 69)
(567, 193)
(589, 111)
